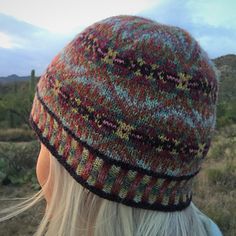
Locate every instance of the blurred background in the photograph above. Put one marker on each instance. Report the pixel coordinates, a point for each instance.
(33, 32)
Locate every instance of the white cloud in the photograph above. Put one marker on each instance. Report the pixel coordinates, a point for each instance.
(216, 13)
(65, 15)
(6, 41)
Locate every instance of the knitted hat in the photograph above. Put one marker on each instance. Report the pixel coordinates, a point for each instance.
(128, 108)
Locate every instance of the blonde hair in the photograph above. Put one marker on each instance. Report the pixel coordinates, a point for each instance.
(73, 210)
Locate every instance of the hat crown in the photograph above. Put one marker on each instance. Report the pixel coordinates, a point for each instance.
(140, 95)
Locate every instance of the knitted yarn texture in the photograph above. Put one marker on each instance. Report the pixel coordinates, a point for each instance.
(128, 108)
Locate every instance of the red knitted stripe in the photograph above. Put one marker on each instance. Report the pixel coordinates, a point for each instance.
(88, 167)
(67, 147)
(38, 107)
(77, 157)
(148, 189)
(133, 187)
(173, 194)
(51, 123)
(44, 119)
(78, 132)
(157, 162)
(102, 175)
(163, 188)
(117, 184)
(58, 137)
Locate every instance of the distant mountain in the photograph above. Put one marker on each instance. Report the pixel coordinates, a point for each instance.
(227, 60)
(13, 78)
(227, 67)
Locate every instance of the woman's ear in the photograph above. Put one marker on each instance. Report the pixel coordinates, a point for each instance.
(43, 165)
(43, 171)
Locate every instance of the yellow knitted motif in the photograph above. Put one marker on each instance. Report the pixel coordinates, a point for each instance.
(111, 55)
(154, 66)
(90, 109)
(200, 150)
(74, 110)
(150, 77)
(78, 101)
(138, 72)
(184, 79)
(124, 130)
(140, 61)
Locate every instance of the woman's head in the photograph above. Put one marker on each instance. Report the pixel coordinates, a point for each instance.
(125, 114)
(128, 108)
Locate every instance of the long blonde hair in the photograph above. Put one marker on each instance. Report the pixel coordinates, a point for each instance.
(73, 210)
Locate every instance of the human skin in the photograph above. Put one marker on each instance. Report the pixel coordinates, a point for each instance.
(42, 171)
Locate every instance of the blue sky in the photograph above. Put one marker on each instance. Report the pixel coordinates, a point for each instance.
(32, 32)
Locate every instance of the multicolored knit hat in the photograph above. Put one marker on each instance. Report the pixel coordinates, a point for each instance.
(128, 107)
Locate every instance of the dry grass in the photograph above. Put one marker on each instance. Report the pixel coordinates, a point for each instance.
(16, 135)
(215, 186)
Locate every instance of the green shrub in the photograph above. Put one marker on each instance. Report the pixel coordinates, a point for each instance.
(18, 161)
(217, 151)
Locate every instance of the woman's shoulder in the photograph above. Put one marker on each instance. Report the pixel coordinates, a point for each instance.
(210, 226)
(215, 229)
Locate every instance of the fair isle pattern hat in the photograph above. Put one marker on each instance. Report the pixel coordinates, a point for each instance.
(128, 107)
